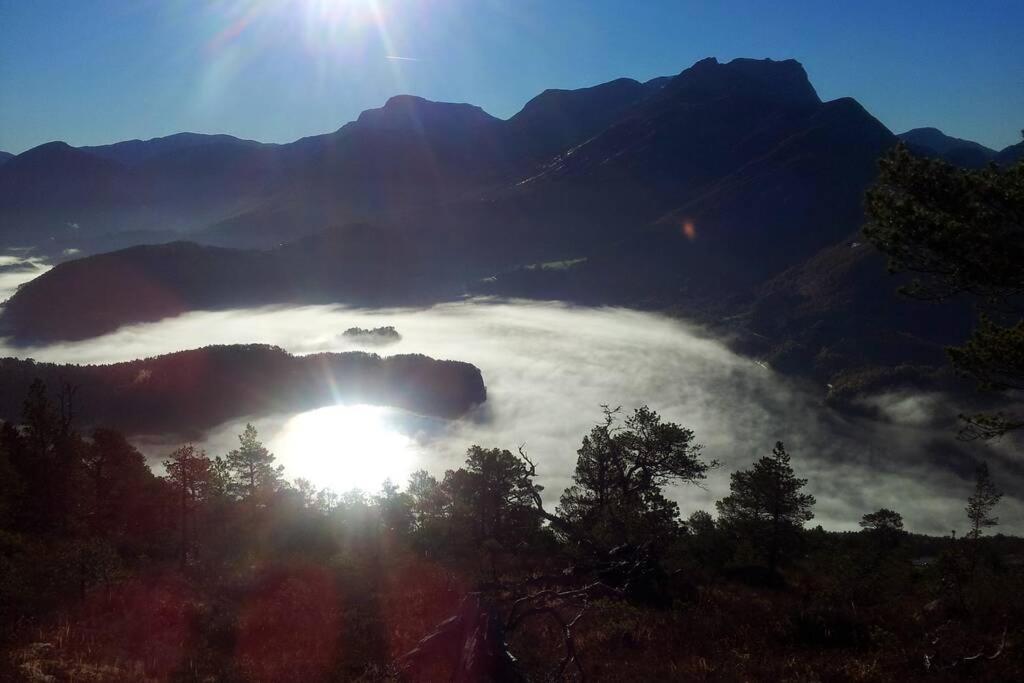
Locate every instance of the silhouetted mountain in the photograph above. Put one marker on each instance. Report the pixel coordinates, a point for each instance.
(56, 196)
(732, 173)
(84, 297)
(699, 188)
(4, 156)
(933, 142)
(1010, 155)
(55, 189)
(840, 310)
(58, 173)
(190, 391)
(135, 152)
(415, 160)
(557, 119)
(700, 124)
(360, 264)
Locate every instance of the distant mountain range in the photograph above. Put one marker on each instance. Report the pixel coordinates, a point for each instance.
(727, 192)
(933, 142)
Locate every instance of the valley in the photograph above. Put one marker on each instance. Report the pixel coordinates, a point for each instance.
(400, 342)
(729, 195)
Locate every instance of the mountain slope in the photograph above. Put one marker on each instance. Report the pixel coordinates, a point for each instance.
(135, 152)
(57, 172)
(1010, 155)
(413, 158)
(733, 172)
(841, 309)
(934, 142)
(703, 186)
(556, 120)
(359, 264)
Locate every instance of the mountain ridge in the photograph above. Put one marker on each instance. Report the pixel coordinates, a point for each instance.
(706, 194)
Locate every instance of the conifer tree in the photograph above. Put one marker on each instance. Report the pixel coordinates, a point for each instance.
(961, 233)
(979, 506)
(766, 505)
(188, 471)
(621, 471)
(252, 466)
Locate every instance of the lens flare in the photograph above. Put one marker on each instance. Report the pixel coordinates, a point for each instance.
(346, 447)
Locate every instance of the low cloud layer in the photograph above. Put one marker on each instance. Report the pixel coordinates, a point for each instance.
(16, 270)
(549, 367)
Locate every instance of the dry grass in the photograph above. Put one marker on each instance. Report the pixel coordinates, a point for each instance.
(348, 619)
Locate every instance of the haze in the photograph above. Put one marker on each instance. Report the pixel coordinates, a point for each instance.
(549, 367)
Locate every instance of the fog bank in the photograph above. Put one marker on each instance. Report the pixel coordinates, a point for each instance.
(549, 367)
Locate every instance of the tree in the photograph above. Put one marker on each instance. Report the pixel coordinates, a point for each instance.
(961, 232)
(40, 420)
(621, 472)
(884, 525)
(188, 471)
(490, 499)
(430, 507)
(54, 448)
(220, 479)
(705, 541)
(252, 466)
(980, 504)
(306, 492)
(395, 509)
(765, 505)
(115, 472)
(11, 486)
(427, 498)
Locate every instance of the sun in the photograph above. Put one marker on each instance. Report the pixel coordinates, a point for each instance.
(346, 447)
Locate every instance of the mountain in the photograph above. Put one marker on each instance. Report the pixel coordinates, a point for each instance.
(189, 391)
(1010, 155)
(408, 159)
(729, 174)
(57, 172)
(56, 196)
(840, 310)
(682, 192)
(4, 156)
(361, 264)
(933, 142)
(556, 120)
(55, 189)
(135, 152)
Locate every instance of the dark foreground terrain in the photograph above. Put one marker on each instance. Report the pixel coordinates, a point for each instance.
(222, 570)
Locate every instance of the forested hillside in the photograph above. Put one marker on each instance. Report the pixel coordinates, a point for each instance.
(222, 569)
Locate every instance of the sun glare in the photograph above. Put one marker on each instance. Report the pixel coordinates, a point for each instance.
(346, 447)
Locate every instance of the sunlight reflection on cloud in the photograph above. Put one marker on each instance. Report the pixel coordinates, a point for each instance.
(548, 368)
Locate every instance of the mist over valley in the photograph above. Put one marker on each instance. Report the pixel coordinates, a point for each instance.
(706, 374)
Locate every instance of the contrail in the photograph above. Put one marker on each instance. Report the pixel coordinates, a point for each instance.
(402, 59)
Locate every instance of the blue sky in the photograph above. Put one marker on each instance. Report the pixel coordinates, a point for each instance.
(97, 71)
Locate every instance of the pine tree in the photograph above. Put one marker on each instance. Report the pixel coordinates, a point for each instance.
(252, 466)
(765, 505)
(884, 526)
(980, 504)
(962, 233)
(188, 471)
(618, 491)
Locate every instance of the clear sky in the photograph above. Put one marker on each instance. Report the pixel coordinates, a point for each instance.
(97, 71)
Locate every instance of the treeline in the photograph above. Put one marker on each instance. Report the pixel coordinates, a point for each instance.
(221, 568)
(189, 391)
